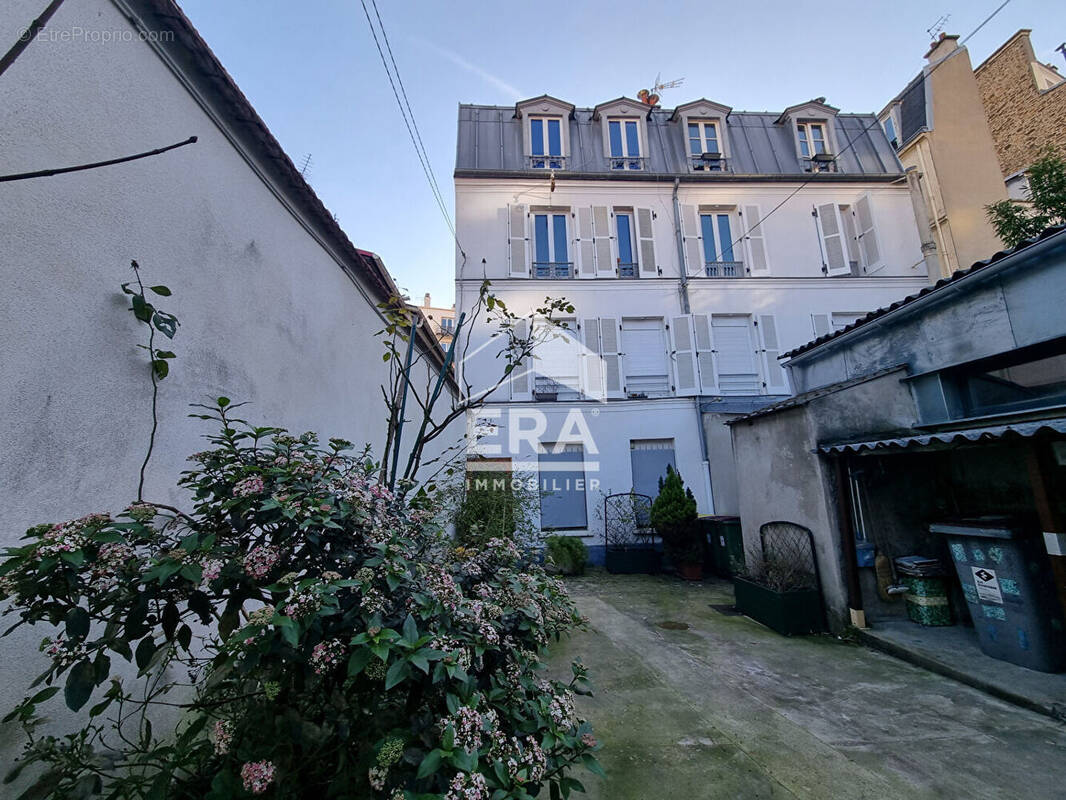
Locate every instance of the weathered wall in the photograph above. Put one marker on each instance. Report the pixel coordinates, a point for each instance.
(1023, 117)
(267, 314)
(724, 478)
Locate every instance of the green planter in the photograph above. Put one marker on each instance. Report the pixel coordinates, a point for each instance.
(633, 561)
(789, 613)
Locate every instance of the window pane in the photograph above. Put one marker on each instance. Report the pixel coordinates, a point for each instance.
(536, 137)
(890, 130)
(562, 490)
(559, 226)
(540, 228)
(1030, 384)
(725, 237)
(712, 137)
(555, 145)
(695, 146)
(818, 138)
(625, 239)
(648, 466)
(614, 129)
(632, 141)
(707, 225)
(804, 147)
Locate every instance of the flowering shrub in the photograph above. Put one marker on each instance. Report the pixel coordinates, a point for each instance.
(316, 634)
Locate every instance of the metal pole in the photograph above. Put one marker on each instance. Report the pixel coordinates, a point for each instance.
(403, 400)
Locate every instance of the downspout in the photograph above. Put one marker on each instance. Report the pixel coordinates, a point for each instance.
(925, 229)
(683, 287)
(847, 543)
(935, 219)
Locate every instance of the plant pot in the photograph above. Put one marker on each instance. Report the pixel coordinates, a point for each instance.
(691, 572)
(635, 561)
(789, 613)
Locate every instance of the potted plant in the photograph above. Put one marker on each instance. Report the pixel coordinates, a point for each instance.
(674, 516)
(779, 592)
(568, 554)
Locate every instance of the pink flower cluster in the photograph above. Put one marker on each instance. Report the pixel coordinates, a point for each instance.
(141, 512)
(327, 655)
(528, 759)
(61, 651)
(442, 587)
(223, 730)
(66, 537)
(470, 786)
(251, 485)
(302, 604)
(260, 560)
(257, 776)
(212, 568)
(467, 724)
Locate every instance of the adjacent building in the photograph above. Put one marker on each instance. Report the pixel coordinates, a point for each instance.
(696, 244)
(439, 320)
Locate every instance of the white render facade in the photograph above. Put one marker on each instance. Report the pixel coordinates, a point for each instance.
(659, 226)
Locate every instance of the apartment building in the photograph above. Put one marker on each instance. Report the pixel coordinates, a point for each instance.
(696, 245)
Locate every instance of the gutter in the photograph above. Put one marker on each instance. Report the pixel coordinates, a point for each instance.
(683, 285)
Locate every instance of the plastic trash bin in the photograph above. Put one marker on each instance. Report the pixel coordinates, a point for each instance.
(927, 591)
(725, 543)
(1009, 592)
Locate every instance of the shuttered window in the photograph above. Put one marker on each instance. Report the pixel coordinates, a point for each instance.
(649, 459)
(831, 231)
(719, 258)
(644, 362)
(627, 259)
(562, 488)
(557, 363)
(738, 365)
(550, 255)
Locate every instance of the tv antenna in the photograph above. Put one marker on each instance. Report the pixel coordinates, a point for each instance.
(305, 167)
(651, 96)
(938, 26)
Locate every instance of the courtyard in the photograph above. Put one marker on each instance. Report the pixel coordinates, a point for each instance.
(693, 701)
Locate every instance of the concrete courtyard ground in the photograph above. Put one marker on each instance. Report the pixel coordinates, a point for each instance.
(726, 708)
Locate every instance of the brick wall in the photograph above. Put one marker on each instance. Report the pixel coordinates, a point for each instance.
(1022, 119)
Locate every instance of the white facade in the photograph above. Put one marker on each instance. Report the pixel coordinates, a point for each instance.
(834, 251)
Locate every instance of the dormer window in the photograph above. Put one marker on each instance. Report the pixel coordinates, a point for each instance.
(703, 146)
(811, 139)
(546, 143)
(703, 125)
(624, 138)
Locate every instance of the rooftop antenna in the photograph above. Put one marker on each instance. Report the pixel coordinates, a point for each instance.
(305, 167)
(651, 96)
(1061, 49)
(938, 26)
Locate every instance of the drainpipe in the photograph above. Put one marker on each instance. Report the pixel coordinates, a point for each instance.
(925, 230)
(683, 287)
(847, 543)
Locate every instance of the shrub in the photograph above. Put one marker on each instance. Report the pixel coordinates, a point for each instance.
(568, 553)
(675, 518)
(318, 635)
(1015, 222)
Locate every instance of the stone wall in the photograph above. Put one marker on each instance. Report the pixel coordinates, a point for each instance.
(1022, 117)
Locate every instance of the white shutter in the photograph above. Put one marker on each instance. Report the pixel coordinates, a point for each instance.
(611, 357)
(518, 240)
(871, 250)
(701, 330)
(774, 379)
(592, 368)
(584, 247)
(601, 232)
(646, 240)
(692, 236)
(831, 231)
(822, 324)
(755, 241)
(521, 374)
(684, 353)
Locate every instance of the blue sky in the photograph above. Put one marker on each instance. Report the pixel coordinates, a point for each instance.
(312, 71)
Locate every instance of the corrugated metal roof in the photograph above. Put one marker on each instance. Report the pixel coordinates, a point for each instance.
(490, 139)
(1023, 430)
(1055, 230)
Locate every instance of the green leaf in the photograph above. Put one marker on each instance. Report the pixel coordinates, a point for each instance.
(44, 694)
(430, 764)
(453, 703)
(222, 402)
(357, 663)
(164, 354)
(145, 650)
(170, 619)
(78, 623)
(184, 636)
(166, 324)
(80, 683)
(160, 368)
(141, 309)
(75, 557)
(420, 661)
(161, 290)
(398, 673)
(464, 760)
(592, 765)
(410, 629)
(291, 635)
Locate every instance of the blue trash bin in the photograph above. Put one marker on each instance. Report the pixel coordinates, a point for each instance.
(1009, 592)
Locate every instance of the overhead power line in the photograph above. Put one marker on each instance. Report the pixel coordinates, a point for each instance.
(408, 115)
(853, 142)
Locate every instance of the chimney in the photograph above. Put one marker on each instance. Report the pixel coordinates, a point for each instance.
(944, 45)
(426, 303)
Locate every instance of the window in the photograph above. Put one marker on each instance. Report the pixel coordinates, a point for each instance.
(890, 131)
(738, 365)
(550, 259)
(627, 258)
(718, 257)
(624, 139)
(545, 139)
(811, 139)
(1015, 383)
(841, 319)
(557, 364)
(703, 147)
(644, 361)
(447, 324)
(649, 459)
(562, 488)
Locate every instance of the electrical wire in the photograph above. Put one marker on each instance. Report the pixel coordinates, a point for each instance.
(409, 118)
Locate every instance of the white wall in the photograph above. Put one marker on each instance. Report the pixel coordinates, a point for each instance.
(267, 314)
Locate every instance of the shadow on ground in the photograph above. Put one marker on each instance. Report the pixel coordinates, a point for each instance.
(694, 703)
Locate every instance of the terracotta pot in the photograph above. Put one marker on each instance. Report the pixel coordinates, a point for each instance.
(691, 572)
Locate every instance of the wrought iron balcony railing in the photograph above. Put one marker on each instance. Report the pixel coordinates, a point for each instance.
(547, 162)
(553, 269)
(627, 269)
(725, 269)
(633, 163)
(708, 162)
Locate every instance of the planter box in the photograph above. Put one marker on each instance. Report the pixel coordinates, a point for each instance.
(789, 613)
(634, 561)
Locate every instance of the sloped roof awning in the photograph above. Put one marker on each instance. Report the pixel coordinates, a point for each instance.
(1022, 430)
